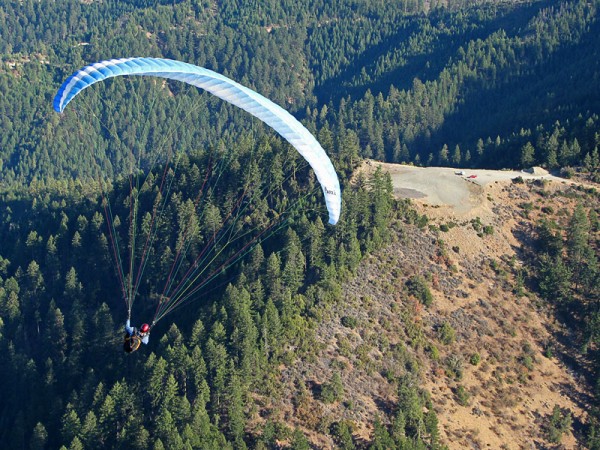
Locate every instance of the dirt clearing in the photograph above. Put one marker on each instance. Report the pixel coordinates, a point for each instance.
(443, 186)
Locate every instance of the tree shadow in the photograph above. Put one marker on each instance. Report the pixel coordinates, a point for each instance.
(426, 64)
(388, 407)
(512, 91)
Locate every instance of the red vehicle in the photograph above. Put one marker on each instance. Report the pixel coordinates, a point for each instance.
(472, 176)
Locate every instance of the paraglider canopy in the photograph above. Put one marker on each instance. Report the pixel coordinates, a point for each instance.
(257, 105)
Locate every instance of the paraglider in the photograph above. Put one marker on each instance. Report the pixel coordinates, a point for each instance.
(230, 91)
(134, 337)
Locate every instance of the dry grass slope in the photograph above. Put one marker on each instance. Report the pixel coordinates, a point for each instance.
(480, 349)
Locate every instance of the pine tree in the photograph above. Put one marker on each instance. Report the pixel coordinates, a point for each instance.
(431, 426)
(442, 159)
(39, 437)
(90, 432)
(575, 151)
(549, 238)
(589, 274)
(71, 425)
(216, 361)
(52, 260)
(554, 279)
(587, 162)
(235, 409)
(595, 158)
(156, 374)
(167, 431)
(480, 147)
(381, 437)
(564, 154)
(552, 149)
(527, 155)
(270, 330)
(73, 287)
(299, 441)
(107, 418)
(273, 276)
(76, 444)
(456, 156)
(578, 241)
(294, 262)
(243, 332)
(342, 434)
(11, 307)
(104, 334)
(56, 334)
(169, 395)
(33, 293)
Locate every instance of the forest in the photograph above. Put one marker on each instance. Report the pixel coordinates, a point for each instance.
(463, 86)
(440, 83)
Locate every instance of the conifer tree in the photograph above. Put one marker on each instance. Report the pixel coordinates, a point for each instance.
(39, 437)
(235, 409)
(90, 433)
(381, 437)
(71, 425)
(554, 279)
(294, 262)
(299, 441)
(527, 155)
(456, 156)
(167, 430)
(442, 159)
(578, 242)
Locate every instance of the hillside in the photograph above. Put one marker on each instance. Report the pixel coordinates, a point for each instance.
(426, 325)
(440, 310)
(501, 398)
(496, 84)
(377, 334)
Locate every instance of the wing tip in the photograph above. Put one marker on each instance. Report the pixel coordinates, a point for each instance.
(57, 106)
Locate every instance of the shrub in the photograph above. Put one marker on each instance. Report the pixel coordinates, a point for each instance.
(475, 359)
(462, 396)
(349, 322)
(557, 424)
(447, 334)
(333, 391)
(454, 366)
(567, 172)
(476, 223)
(527, 206)
(434, 353)
(417, 287)
(549, 350)
(527, 361)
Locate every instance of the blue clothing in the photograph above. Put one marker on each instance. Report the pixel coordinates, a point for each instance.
(134, 331)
